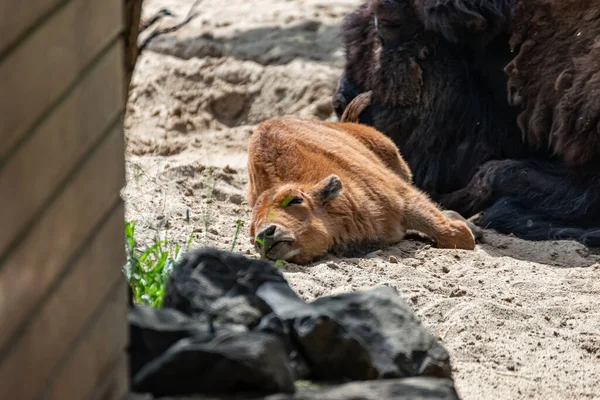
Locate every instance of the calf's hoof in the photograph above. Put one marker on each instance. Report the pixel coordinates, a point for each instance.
(458, 234)
(475, 230)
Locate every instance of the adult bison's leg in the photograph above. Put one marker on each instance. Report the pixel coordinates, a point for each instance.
(510, 216)
(479, 193)
(559, 193)
(533, 200)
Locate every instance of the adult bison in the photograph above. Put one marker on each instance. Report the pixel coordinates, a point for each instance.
(495, 105)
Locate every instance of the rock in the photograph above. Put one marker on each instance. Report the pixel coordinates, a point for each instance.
(153, 331)
(374, 254)
(458, 293)
(274, 325)
(233, 325)
(249, 362)
(397, 342)
(393, 260)
(177, 125)
(237, 199)
(329, 349)
(423, 388)
(229, 170)
(221, 285)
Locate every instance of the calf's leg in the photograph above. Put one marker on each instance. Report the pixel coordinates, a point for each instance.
(422, 215)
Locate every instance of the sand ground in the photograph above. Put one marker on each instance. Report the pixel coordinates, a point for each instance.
(520, 319)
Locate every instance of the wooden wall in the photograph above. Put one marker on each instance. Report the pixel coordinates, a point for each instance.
(63, 296)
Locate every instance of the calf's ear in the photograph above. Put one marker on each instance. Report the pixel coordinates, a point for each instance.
(327, 189)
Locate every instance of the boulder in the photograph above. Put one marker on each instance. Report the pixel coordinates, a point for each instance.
(153, 331)
(249, 362)
(330, 350)
(422, 388)
(220, 285)
(399, 345)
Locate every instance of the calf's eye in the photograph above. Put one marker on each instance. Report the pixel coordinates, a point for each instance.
(290, 200)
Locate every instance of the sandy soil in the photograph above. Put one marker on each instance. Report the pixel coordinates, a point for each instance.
(520, 319)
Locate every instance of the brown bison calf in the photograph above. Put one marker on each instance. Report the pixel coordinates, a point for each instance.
(318, 186)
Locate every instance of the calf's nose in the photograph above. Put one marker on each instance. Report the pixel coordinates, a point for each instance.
(266, 238)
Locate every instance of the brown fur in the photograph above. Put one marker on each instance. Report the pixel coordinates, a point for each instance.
(555, 76)
(354, 185)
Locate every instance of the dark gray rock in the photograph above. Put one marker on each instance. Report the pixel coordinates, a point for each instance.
(230, 326)
(161, 328)
(422, 388)
(248, 362)
(153, 331)
(221, 285)
(330, 351)
(399, 344)
(272, 324)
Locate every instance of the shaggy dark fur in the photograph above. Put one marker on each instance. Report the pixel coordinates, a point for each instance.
(555, 77)
(522, 145)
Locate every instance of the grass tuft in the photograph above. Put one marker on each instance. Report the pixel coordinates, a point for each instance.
(237, 233)
(147, 271)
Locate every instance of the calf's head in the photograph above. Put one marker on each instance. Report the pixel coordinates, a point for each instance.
(292, 222)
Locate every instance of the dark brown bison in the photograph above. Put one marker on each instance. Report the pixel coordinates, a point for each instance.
(494, 103)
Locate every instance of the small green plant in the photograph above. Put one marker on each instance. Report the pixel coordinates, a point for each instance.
(209, 194)
(147, 271)
(237, 233)
(308, 385)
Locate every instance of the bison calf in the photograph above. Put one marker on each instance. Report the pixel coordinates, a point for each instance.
(318, 186)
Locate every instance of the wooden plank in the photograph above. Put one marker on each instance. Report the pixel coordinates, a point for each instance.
(57, 145)
(133, 13)
(16, 19)
(52, 332)
(30, 269)
(42, 69)
(116, 386)
(98, 352)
